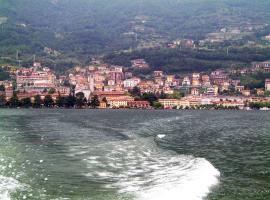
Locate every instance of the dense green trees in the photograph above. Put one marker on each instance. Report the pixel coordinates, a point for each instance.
(48, 101)
(14, 101)
(136, 92)
(3, 75)
(60, 101)
(258, 105)
(26, 102)
(190, 60)
(37, 101)
(150, 97)
(3, 101)
(253, 81)
(51, 91)
(97, 27)
(80, 100)
(70, 101)
(2, 88)
(157, 105)
(94, 102)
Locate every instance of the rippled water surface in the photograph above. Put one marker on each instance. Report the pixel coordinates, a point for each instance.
(134, 155)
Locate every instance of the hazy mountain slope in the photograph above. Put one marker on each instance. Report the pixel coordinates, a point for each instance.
(84, 27)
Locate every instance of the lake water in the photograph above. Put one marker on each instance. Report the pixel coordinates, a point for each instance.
(134, 155)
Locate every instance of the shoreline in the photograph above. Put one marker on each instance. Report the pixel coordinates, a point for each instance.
(150, 109)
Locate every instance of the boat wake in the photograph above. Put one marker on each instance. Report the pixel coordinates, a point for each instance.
(137, 167)
(7, 186)
(193, 183)
(149, 173)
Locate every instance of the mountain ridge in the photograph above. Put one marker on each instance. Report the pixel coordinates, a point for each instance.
(82, 28)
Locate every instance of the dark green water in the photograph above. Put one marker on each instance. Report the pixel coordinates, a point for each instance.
(129, 154)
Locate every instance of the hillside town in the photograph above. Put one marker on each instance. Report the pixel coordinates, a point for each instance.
(103, 86)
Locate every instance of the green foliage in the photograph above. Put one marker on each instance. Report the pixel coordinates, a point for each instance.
(81, 28)
(14, 101)
(80, 100)
(267, 93)
(48, 101)
(52, 91)
(176, 95)
(258, 105)
(60, 101)
(157, 105)
(190, 60)
(253, 81)
(136, 92)
(70, 101)
(163, 95)
(150, 97)
(94, 103)
(3, 101)
(3, 75)
(2, 88)
(37, 101)
(26, 102)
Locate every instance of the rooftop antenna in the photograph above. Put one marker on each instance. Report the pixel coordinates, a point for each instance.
(34, 58)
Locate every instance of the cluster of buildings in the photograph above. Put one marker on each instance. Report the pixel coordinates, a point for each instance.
(113, 85)
(36, 80)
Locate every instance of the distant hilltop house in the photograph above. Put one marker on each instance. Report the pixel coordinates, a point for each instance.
(96, 61)
(139, 63)
(215, 38)
(158, 73)
(51, 51)
(223, 35)
(186, 43)
(37, 65)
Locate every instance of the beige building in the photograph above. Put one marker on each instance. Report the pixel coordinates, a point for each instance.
(260, 92)
(246, 93)
(170, 103)
(196, 79)
(195, 91)
(170, 78)
(119, 102)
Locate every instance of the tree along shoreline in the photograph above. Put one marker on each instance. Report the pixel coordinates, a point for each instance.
(79, 101)
(200, 108)
(152, 109)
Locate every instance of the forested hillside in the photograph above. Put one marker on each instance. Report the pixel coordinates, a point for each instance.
(191, 60)
(76, 29)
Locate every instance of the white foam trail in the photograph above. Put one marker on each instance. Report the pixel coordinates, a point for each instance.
(161, 136)
(7, 186)
(153, 174)
(195, 185)
(137, 167)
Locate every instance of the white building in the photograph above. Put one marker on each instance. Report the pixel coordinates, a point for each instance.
(131, 83)
(186, 81)
(267, 85)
